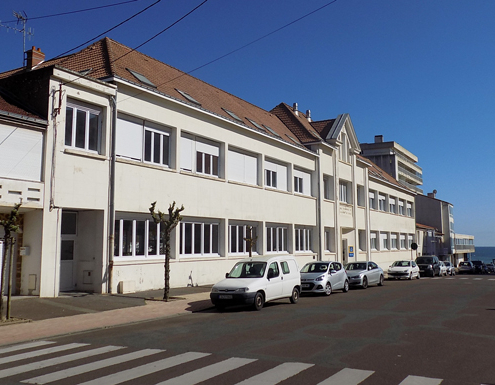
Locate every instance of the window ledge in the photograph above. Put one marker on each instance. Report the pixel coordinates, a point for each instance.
(86, 154)
(244, 184)
(303, 195)
(268, 188)
(216, 178)
(140, 163)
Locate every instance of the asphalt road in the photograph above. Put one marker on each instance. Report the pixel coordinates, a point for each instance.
(414, 331)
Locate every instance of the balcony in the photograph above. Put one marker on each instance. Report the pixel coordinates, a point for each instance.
(12, 191)
(416, 177)
(411, 186)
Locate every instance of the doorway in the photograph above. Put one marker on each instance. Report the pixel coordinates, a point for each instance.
(67, 251)
(345, 255)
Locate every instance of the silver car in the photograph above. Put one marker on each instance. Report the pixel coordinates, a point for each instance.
(324, 277)
(364, 273)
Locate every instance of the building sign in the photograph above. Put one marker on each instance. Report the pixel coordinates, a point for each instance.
(351, 251)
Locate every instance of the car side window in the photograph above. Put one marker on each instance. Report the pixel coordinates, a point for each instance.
(285, 267)
(274, 268)
(336, 266)
(373, 265)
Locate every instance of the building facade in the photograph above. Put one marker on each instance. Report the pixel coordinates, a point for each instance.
(124, 130)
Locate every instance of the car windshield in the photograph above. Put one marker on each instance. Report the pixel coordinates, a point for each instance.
(424, 260)
(464, 264)
(315, 268)
(248, 270)
(356, 266)
(401, 263)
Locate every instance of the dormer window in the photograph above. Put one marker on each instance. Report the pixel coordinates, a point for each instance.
(233, 115)
(143, 79)
(188, 97)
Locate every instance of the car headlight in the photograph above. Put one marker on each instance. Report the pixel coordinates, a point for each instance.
(389, 270)
(242, 290)
(320, 278)
(214, 290)
(361, 275)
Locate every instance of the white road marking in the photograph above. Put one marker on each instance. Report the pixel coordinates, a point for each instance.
(416, 380)
(29, 345)
(38, 353)
(347, 377)
(210, 371)
(143, 370)
(277, 374)
(62, 374)
(55, 361)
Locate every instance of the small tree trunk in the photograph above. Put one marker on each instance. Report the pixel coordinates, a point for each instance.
(2, 276)
(11, 272)
(166, 289)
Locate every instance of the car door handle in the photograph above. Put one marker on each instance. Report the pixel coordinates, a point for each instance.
(282, 278)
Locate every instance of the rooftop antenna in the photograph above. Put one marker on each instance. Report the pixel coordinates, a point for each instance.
(21, 18)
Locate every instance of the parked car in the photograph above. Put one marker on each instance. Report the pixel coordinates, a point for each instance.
(443, 268)
(257, 280)
(465, 267)
(428, 265)
(479, 267)
(450, 268)
(403, 269)
(490, 268)
(364, 273)
(324, 277)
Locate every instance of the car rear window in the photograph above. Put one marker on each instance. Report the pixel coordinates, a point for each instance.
(424, 260)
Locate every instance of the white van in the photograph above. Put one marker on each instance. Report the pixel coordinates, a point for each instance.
(257, 280)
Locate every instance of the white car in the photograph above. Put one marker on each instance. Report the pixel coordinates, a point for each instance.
(324, 277)
(257, 280)
(443, 269)
(403, 269)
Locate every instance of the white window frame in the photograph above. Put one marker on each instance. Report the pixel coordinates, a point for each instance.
(410, 240)
(303, 239)
(392, 205)
(302, 182)
(202, 227)
(393, 241)
(241, 232)
(382, 200)
(88, 111)
(344, 191)
(196, 153)
(401, 207)
(372, 199)
(403, 245)
(164, 153)
(362, 240)
(278, 171)
(328, 192)
(409, 209)
(373, 241)
(119, 239)
(384, 243)
(276, 239)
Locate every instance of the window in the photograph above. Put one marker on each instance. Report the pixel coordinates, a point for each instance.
(142, 141)
(362, 240)
(381, 202)
(393, 241)
(409, 240)
(137, 238)
(232, 115)
(143, 79)
(409, 209)
(328, 187)
(302, 182)
(372, 198)
(344, 192)
(344, 148)
(275, 175)
(329, 239)
(383, 241)
(205, 153)
(276, 238)
(238, 239)
(360, 196)
(82, 127)
(403, 242)
(373, 241)
(198, 238)
(243, 168)
(391, 205)
(401, 207)
(273, 270)
(285, 267)
(188, 97)
(303, 239)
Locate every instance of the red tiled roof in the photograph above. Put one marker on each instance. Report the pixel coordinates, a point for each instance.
(377, 172)
(298, 124)
(323, 126)
(11, 107)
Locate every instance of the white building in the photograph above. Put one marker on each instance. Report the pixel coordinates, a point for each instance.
(125, 130)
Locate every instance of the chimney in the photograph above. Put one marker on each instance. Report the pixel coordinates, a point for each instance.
(378, 138)
(432, 194)
(308, 115)
(34, 57)
(294, 108)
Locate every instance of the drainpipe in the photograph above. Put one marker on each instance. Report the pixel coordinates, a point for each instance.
(318, 207)
(111, 203)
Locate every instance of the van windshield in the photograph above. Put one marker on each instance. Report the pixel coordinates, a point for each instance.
(248, 270)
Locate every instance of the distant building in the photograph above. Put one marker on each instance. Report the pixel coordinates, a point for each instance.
(396, 161)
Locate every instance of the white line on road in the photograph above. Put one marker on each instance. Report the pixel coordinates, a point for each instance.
(347, 377)
(29, 345)
(143, 370)
(416, 380)
(41, 352)
(63, 374)
(55, 361)
(208, 372)
(277, 374)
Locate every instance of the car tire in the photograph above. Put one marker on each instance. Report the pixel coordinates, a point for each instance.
(365, 283)
(410, 276)
(259, 301)
(418, 276)
(295, 295)
(346, 286)
(381, 280)
(328, 289)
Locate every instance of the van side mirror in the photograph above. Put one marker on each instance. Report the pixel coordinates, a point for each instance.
(226, 275)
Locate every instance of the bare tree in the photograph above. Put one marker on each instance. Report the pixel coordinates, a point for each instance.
(10, 226)
(250, 240)
(167, 224)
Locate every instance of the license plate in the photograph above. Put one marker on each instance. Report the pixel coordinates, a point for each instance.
(305, 285)
(224, 296)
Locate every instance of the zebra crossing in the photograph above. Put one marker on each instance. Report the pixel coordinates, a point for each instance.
(46, 362)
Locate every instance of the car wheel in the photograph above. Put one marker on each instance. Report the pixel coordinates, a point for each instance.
(380, 282)
(259, 301)
(365, 283)
(410, 275)
(418, 276)
(328, 289)
(295, 295)
(346, 286)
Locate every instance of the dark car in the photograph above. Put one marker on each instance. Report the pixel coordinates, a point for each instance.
(428, 265)
(465, 267)
(479, 267)
(490, 268)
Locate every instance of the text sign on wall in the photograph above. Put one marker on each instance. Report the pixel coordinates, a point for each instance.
(351, 251)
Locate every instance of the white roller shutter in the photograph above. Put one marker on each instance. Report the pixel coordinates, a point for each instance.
(129, 142)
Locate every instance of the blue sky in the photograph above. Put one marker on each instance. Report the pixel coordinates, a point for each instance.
(421, 73)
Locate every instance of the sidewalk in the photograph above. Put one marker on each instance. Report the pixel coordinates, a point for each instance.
(76, 312)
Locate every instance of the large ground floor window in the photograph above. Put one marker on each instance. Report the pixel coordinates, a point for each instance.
(240, 237)
(276, 238)
(303, 239)
(135, 238)
(198, 238)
